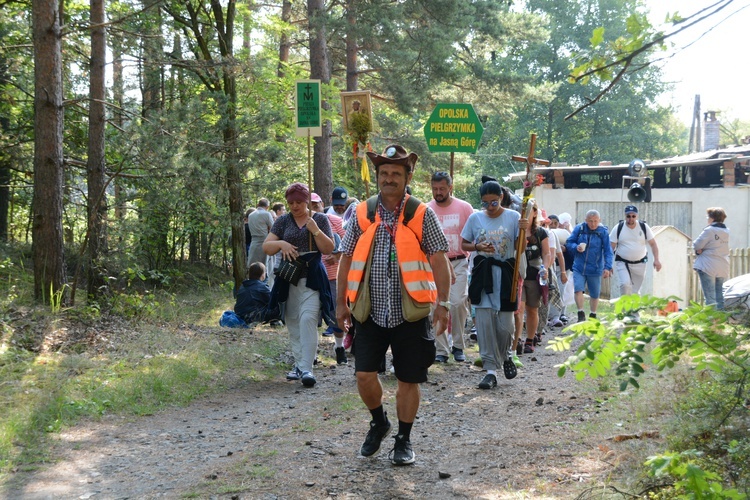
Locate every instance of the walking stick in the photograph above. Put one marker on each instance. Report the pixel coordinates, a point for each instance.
(529, 183)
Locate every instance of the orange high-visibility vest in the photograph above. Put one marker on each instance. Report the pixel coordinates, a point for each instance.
(416, 272)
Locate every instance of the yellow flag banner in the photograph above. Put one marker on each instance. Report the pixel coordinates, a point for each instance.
(365, 171)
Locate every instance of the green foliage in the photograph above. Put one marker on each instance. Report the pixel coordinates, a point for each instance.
(621, 338)
(603, 60)
(628, 121)
(690, 480)
(56, 298)
(630, 339)
(167, 159)
(134, 304)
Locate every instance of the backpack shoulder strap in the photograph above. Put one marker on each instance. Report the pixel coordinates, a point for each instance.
(643, 228)
(412, 204)
(410, 208)
(372, 206)
(619, 228)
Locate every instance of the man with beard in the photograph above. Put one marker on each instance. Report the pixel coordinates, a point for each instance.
(452, 214)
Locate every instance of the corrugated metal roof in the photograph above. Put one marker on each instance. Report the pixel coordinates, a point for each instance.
(703, 159)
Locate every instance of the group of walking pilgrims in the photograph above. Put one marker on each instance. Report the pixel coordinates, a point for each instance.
(395, 273)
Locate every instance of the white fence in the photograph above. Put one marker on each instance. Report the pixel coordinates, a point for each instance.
(739, 264)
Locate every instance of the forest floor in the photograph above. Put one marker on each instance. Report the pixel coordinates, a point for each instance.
(536, 436)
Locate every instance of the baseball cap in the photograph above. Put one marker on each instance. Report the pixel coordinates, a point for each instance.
(339, 196)
(631, 209)
(315, 198)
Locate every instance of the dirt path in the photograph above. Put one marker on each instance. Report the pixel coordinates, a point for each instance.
(278, 440)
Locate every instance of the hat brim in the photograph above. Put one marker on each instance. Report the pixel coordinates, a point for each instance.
(408, 161)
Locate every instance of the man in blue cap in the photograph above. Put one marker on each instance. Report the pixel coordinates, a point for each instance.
(338, 201)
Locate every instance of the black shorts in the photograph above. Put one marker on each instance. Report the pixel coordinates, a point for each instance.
(412, 346)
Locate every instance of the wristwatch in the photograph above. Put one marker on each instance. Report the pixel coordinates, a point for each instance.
(445, 303)
(315, 234)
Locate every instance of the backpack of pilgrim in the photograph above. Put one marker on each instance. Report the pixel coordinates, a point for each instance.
(622, 223)
(619, 230)
(413, 311)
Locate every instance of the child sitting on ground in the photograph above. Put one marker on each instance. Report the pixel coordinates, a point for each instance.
(253, 297)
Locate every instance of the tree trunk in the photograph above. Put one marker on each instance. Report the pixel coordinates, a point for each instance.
(284, 43)
(5, 162)
(155, 215)
(97, 201)
(235, 173)
(247, 26)
(352, 75)
(320, 70)
(47, 232)
(118, 95)
(153, 53)
(5, 159)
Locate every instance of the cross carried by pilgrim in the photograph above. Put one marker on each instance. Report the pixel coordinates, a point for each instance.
(528, 188)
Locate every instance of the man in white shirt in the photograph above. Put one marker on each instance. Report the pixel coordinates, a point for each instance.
(452, 214)
(628, 240)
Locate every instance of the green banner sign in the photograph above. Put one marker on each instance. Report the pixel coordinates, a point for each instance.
(308, 108)
(453, 127)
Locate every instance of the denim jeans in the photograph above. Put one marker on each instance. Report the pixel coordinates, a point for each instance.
(712, 287)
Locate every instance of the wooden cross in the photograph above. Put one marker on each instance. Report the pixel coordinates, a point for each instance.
(530, 160)
(528, 188)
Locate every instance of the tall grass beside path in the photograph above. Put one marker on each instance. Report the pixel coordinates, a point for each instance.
(110, 365)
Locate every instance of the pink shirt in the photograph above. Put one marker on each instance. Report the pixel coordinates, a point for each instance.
(453, 219)
(331, 262)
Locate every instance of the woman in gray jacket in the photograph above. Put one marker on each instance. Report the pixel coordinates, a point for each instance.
(712, 261)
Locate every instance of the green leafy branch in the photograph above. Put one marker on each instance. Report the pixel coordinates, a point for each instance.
(619, 342)
(611, 61)
(627, 342)
(691, 478)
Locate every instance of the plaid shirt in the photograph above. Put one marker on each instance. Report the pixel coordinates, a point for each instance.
(387, 311)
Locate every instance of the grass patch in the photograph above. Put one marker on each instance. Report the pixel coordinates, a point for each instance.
(235, 480)
(347, 402)
(166, 358)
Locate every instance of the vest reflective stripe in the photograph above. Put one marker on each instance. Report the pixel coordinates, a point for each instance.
(419, 285)
(416, 272)
(415, 265)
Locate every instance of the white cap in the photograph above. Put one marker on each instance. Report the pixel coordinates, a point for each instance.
(565, 218)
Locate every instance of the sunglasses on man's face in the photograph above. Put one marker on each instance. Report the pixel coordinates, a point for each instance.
(493, 203)
(631, 216)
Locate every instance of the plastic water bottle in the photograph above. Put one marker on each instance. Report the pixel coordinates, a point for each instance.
(542, 276)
